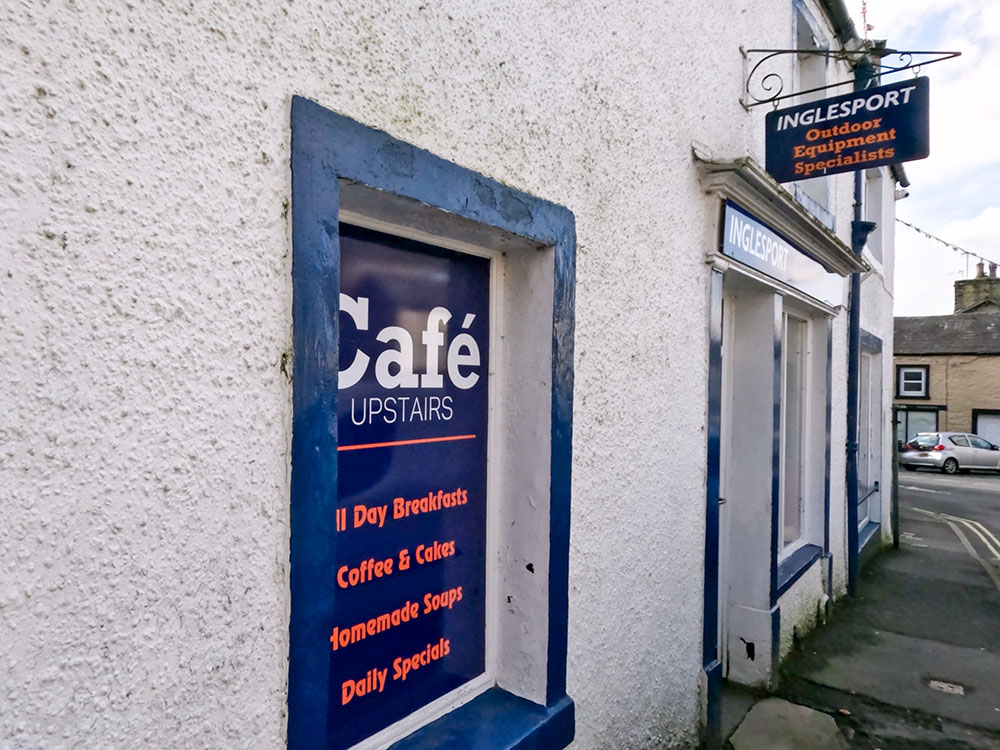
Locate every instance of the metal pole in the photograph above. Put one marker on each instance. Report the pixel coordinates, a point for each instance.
(860, 229)
(895, 479)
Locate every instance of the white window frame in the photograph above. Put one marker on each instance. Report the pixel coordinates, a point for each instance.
(901, 374)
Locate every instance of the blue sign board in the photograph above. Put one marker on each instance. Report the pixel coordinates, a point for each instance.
(409, 588)
(865, 129)
(755, 244)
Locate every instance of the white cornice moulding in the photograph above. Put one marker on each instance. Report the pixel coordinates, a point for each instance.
(747, 184)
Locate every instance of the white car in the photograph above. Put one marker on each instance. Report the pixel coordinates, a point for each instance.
(949, 452)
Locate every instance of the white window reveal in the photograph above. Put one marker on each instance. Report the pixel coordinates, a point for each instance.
(811, 72)
(874, 186)
(794, 354)
(869, 436)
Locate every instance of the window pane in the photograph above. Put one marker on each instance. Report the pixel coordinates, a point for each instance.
(978, 442)
(922, 421)
(864, 422)
(794, 360)
(912, 381)
(908, 385)
(924, 442)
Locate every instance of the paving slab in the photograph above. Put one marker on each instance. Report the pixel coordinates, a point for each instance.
(901, 670)
(775, 724)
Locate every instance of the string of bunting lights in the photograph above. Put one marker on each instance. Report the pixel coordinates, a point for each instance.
(952, 246)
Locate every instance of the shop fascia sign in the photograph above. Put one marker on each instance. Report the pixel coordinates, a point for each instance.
(862, 130)
(750, 241)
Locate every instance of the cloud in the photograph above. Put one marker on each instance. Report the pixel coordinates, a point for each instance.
(894, 19)
(927, 270)
(977, 234)
(957, 179)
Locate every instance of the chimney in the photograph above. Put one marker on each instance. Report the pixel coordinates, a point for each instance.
(981, 294)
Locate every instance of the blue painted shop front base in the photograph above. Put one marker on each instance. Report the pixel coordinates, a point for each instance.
(866, 533)
(869, 537)
(497, 720)
(796, 564)
(713, 705)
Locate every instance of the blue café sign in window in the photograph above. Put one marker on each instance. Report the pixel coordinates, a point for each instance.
(410, 575)
(755, 244)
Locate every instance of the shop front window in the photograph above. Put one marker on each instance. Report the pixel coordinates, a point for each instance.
(794, 351)
(911, 421)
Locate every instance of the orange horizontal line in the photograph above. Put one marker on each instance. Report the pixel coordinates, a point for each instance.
(365, 446)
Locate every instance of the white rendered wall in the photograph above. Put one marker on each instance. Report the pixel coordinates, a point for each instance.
(145, 302)
(876, 318)
(801, 607)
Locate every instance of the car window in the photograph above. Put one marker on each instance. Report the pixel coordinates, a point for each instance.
(959, 440)
(978, 442)
(924, 441)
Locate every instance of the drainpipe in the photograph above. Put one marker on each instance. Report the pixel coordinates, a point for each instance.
(864, 72)
(840, 18)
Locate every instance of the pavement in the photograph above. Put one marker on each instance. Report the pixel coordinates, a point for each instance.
(913, 662)
(776, 724)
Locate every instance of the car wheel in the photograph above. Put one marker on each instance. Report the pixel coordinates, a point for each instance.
(950, 466)
(909, 468)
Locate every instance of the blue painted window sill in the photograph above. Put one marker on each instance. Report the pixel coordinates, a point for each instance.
(497, 720)
(792, 567)
(867, 532)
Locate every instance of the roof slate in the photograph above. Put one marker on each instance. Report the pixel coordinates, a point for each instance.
(970, 333)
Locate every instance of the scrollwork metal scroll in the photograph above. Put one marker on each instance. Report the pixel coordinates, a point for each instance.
(769, 87)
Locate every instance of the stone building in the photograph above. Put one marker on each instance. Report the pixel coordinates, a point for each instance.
(948, 366)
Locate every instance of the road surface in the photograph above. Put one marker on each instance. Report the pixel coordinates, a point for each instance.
(914, 661)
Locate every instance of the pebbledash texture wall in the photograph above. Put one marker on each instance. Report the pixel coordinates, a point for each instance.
(145, 326)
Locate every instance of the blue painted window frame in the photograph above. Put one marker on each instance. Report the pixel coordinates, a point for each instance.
(794, 566)
(326, 148)
(872, 344)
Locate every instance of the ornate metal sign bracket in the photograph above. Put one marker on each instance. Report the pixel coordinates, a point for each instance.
(767, 87)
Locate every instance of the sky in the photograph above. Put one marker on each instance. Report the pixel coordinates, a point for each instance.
(955, 192)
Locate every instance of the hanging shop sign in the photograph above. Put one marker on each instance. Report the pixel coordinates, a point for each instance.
(865, 129)
(409, 583)
(753, 243)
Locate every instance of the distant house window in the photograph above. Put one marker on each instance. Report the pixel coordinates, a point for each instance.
(911, 381)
